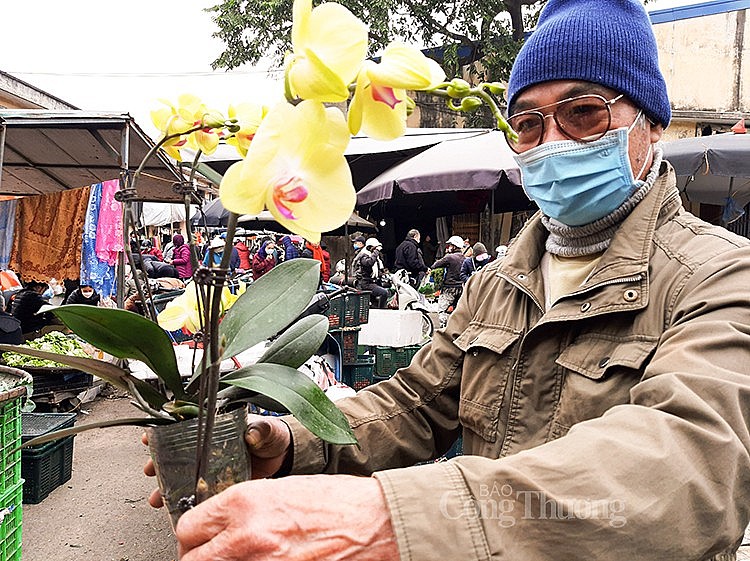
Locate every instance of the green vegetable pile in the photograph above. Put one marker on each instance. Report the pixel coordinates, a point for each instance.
(53, 342)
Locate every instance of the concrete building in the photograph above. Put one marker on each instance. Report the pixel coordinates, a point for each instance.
(17, 94)
(704, 52)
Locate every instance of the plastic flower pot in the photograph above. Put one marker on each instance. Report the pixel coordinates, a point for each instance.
(173, 449)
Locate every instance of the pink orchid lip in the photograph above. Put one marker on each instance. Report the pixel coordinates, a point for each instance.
(290, 190)
(385, 94)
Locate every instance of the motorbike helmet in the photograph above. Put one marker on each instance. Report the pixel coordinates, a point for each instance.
(146, 244)
(456, 241)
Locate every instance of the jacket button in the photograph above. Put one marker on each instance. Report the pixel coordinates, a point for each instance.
(586, 306)
(521, 277)
(630, 295)
(475, 353)
(604, 362)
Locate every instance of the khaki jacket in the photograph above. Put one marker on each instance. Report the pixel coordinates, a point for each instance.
(612, 427)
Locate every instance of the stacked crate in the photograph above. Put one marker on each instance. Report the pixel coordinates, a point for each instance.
(347, 312)
(11, 484)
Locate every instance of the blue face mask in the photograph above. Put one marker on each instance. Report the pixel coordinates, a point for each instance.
(578, 183)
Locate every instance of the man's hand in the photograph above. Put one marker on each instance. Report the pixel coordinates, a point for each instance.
(317, 517)
(269, 441)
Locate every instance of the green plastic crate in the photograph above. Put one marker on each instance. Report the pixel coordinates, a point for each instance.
(346, 339)
(360, 374)
(10, 438)
(47, 466)
(390, 359)
(351, 309)
(11, 512)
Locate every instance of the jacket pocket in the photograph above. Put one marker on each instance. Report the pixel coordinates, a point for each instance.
(599, 372)
(487, 363)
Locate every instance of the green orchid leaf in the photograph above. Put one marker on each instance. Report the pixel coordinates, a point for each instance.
(125, 335)
(299, 395)
(111, 373)
(62, 433)
(298, 342)
(269, 305)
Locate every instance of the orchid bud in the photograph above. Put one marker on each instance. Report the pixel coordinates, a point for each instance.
(470, 103)
(496, 88)
(410, 106)
(458, 88)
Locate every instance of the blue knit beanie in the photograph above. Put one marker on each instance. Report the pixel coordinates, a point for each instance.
(609, 42)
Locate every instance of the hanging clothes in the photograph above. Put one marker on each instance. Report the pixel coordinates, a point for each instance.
(109, 225)
(7, 226)
(95, 272)
(48, 235)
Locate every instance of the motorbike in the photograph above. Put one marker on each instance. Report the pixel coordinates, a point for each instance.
(409, 298)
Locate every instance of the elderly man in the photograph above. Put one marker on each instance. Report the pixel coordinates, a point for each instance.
(597, 373)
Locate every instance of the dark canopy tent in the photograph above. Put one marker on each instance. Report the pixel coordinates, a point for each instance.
(45, 151)
(456, 176)
(712, 168)
(367, 157)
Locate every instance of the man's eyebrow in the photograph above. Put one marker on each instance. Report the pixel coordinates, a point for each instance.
(573, 91)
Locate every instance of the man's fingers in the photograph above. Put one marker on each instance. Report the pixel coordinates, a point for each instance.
(149, 468)
(201, 524)
(155, 499)
(267, 438)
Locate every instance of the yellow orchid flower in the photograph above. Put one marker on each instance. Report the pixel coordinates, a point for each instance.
(329, 44)
(183, 311)
(189, 114)
(248, 117)
(296, 168)
(380, 103)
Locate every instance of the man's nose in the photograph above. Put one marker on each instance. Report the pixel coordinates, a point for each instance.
(552, 131)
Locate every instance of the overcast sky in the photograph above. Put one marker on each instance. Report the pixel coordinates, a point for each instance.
(124, 56)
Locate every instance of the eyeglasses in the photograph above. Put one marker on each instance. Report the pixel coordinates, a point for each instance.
(584, 118)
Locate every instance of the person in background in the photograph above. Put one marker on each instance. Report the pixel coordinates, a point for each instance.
(473, 264)
(500, 251)
(147, 248)
(24, 306)
(409, 257)
(467, 249)
(263, 260)
(358, 244)
(429, 249)
(290, 249)
(168, 250)
(325, 270)
(369, 271)
(214, 252)
(452, 287)
(244, 252)
(181, 257)
(84, 294)
(314, 251)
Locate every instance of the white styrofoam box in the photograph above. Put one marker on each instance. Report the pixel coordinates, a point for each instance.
(392, 328)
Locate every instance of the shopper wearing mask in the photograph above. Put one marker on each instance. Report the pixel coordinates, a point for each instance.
(473, 264)
(84, 294)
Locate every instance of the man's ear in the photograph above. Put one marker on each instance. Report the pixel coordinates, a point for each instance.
(657, 130)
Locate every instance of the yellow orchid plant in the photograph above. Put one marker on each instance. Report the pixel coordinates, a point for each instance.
(293, 165)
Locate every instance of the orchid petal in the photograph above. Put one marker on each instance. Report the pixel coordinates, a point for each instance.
(296, 166)
(405, 67)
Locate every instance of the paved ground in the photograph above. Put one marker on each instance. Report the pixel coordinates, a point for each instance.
(101, 513)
